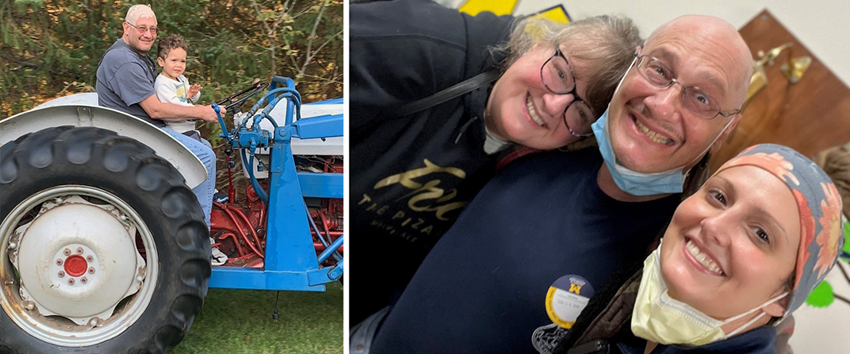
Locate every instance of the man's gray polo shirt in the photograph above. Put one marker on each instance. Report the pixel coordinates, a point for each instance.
(125, 78)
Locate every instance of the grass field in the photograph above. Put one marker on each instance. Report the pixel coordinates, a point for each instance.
(240, 321)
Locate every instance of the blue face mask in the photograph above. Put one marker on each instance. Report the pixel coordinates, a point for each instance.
(631, 182)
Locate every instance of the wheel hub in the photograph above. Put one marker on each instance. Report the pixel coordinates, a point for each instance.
(76, 265)
(78, 268)
(77, 260)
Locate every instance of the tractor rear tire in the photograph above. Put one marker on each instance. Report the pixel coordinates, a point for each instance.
(102, 164)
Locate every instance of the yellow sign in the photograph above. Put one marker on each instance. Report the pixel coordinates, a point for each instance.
(508, 7)
(498, 7)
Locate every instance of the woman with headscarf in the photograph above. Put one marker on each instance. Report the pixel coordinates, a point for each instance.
(739, 255)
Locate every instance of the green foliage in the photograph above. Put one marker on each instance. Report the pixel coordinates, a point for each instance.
(821, 296)
(51, 49)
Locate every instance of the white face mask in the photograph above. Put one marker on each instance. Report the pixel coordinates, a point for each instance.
(633, 182)
(659, 318)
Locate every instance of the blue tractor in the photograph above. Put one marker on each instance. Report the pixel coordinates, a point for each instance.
(103, 245)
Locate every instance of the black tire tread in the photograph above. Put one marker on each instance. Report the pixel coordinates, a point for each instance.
(102, 159)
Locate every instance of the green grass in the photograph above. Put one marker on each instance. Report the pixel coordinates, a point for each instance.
(240, 321)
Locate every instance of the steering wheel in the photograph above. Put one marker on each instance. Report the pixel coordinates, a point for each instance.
(237, 99)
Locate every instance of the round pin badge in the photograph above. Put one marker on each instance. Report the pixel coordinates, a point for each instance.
(565, 299)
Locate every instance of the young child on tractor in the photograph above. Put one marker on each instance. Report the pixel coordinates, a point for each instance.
(171, 85)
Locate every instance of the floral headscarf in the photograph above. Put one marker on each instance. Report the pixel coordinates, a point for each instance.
(819, 205)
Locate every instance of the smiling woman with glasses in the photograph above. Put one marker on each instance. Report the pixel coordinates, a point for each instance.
(438, 98)
(575, 69)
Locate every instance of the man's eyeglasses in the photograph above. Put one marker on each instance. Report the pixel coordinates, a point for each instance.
(558, 77)
(143, 29)
(694, 99)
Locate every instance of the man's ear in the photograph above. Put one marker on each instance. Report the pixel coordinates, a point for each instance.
(725, 134)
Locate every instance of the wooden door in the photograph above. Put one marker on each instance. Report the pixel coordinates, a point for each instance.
(808, 116)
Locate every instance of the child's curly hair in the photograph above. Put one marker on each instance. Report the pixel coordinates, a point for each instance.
(170, 42)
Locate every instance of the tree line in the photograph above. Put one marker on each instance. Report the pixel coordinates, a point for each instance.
(51, 48)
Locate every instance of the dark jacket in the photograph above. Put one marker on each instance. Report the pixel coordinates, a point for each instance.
(543, 223)
(412, 175)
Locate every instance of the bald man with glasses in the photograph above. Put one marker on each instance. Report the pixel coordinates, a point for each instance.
(125, 82)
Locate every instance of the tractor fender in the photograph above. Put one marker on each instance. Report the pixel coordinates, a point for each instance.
(87, 115)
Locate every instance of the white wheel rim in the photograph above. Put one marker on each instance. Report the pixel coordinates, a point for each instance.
(60, 330)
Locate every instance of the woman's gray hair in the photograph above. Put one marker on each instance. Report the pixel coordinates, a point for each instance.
(605, 45)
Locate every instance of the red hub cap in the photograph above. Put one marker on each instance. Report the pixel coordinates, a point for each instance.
(76, 265)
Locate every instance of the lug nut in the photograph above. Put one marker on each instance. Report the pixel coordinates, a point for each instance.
(89, 258)
(91, 270)
(94, 322)
(58, 262)
(13, 245)
(71, 281)
(67, 252)
(79, 250)
(29, 305)
(83, 280)
(61, 274)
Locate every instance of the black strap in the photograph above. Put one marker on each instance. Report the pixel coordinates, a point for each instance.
(447, 94)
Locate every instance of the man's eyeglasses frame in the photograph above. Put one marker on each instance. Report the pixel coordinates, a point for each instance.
(685, 89)
(143, 30)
